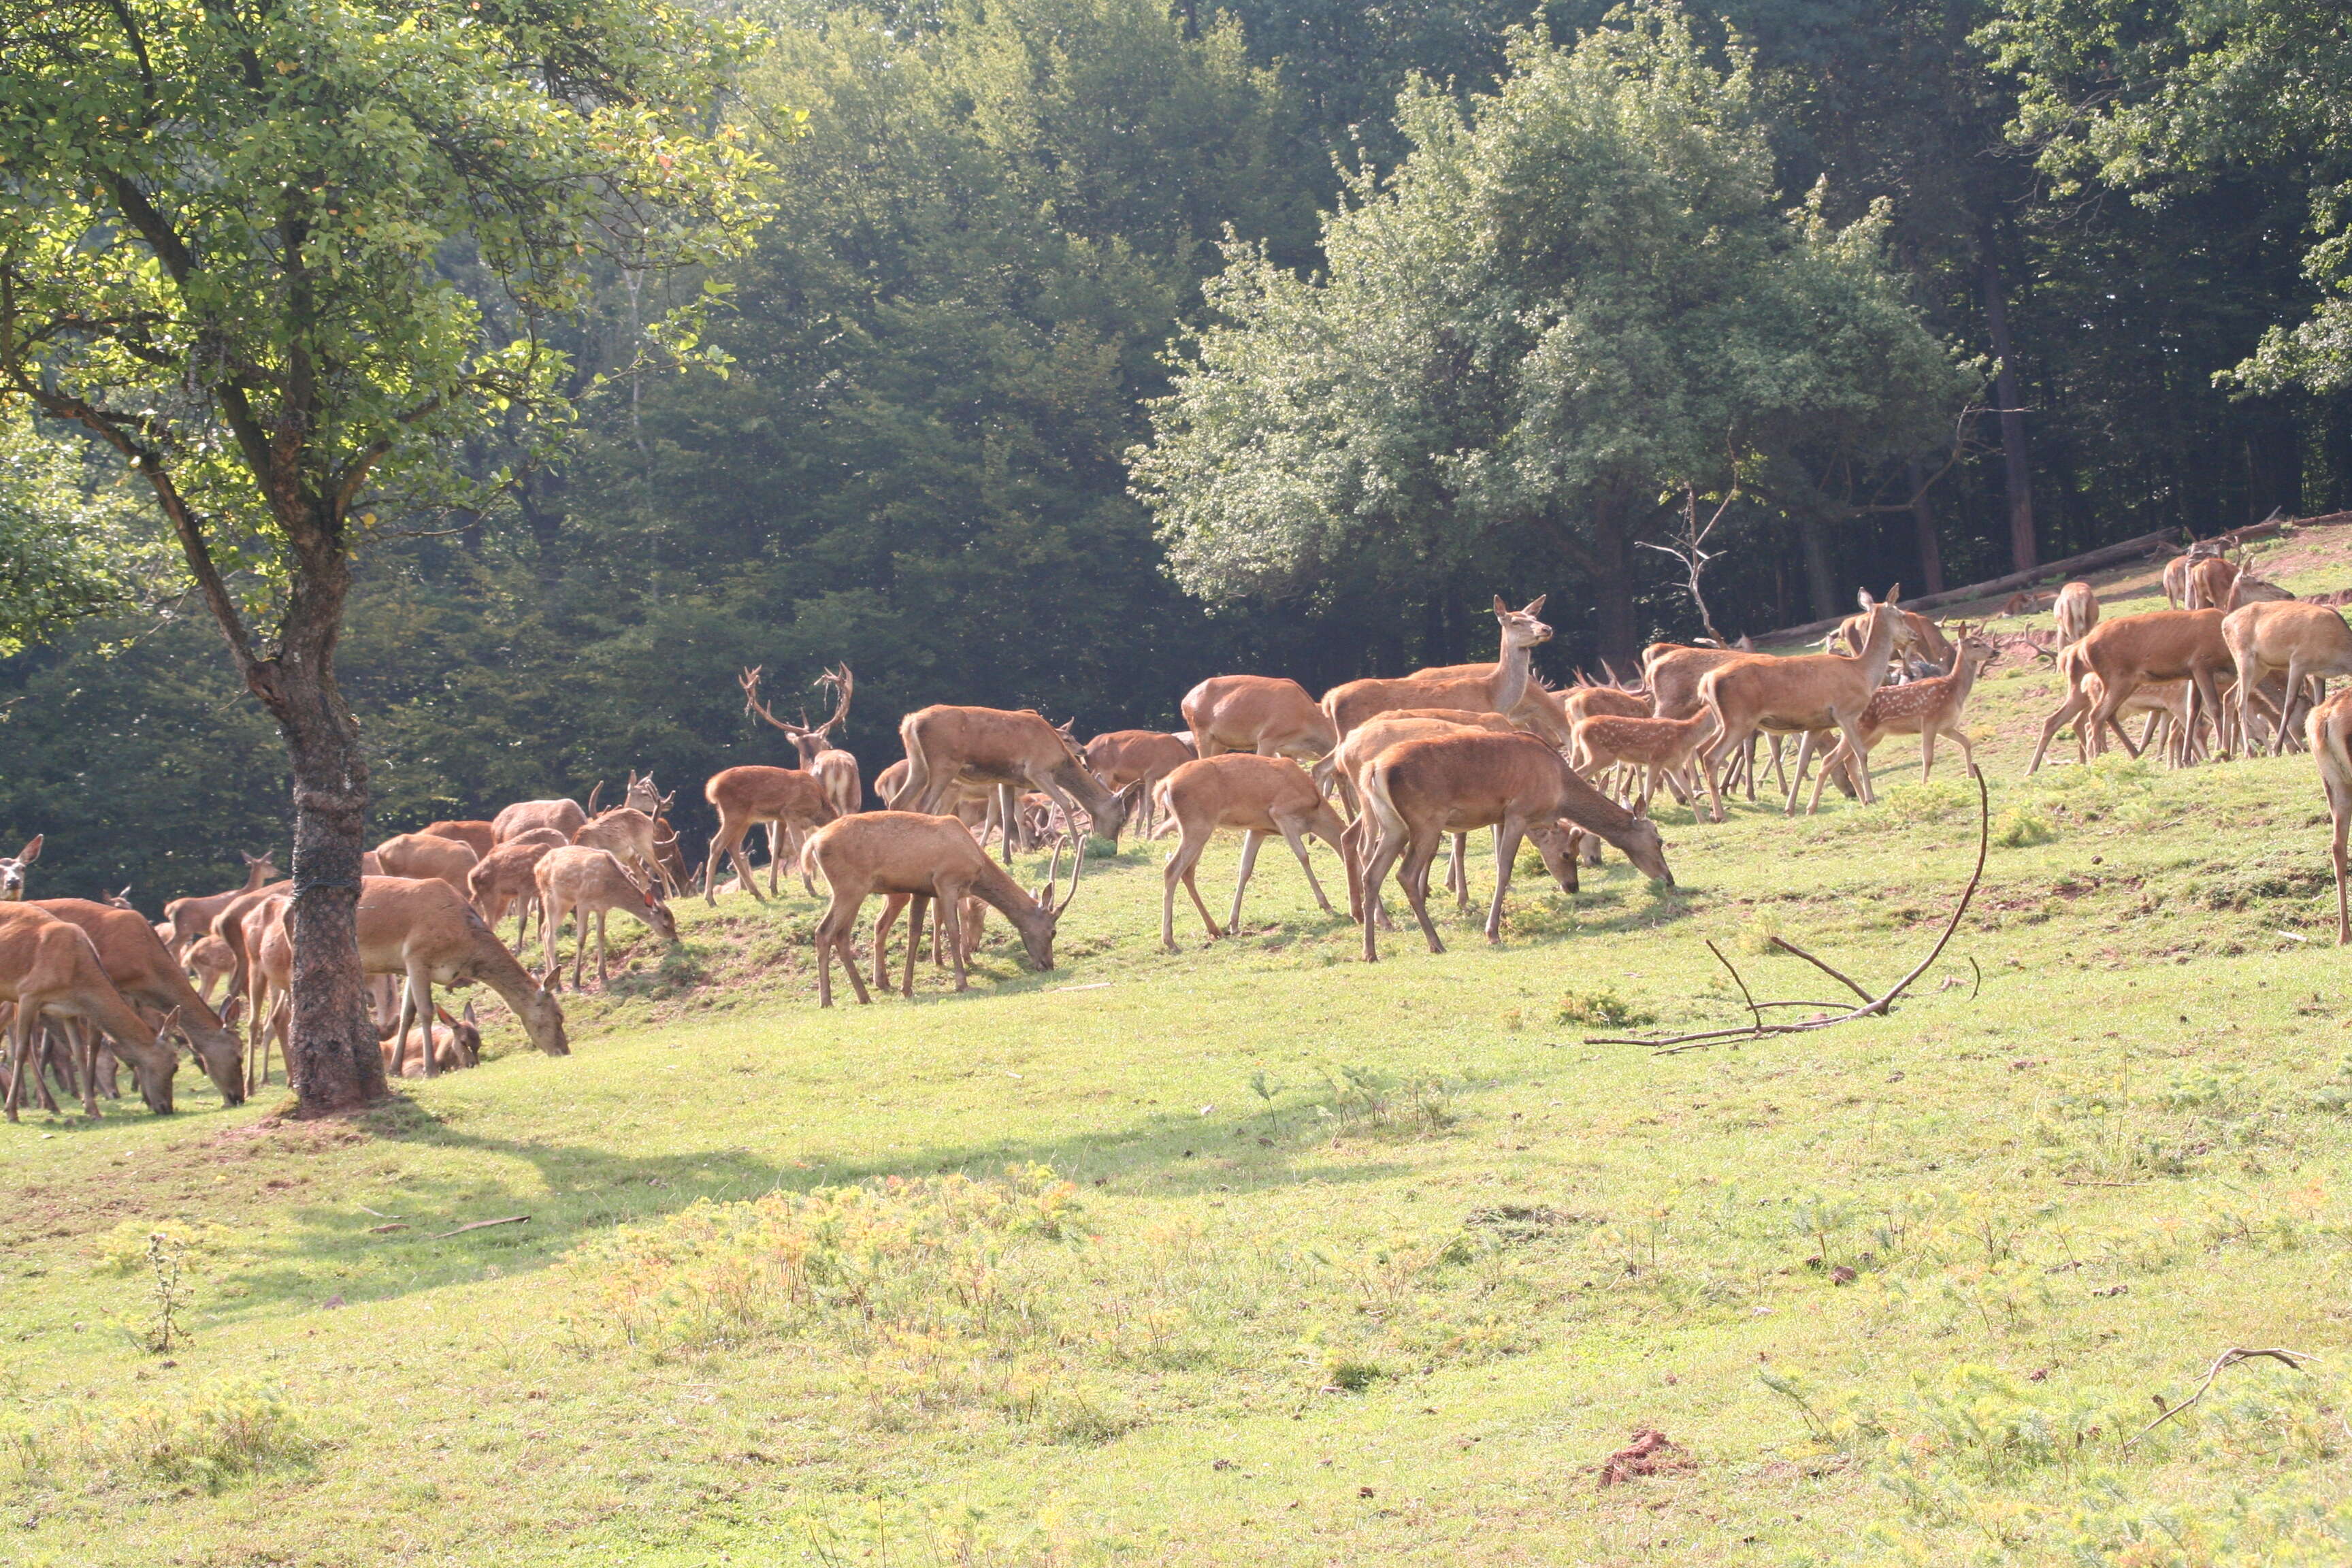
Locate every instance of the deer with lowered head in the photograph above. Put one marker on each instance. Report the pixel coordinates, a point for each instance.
(1369, 739)
(1017, 750)
(507, 879)
(1926, 709)
(1134, 760)
(145, 975)
(1498, 688)
(422, 930)
(49, 966)
(933, 860)
(2305, 642)
(585, 881)
(1418, 790)
(1807, 693)
(834, 768)
(1258, 795)
(631, 835)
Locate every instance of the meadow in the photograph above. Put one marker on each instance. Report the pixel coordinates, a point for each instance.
(1257, 1254)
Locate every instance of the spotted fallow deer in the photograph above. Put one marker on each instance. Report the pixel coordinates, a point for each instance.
(2329, 732)
(1926, 709)
(427, 855)
(145, 975)
(1498, 688)
(13, 868)
(928, 859)
(563, 816)
(587, 881)
(1808, 693)
(422, 929)
(193, 918)
(1012, 749)
(1258, 795)
(1418, 790)
(48, 966)
(1134, 761)
(2306, 642)
(1662, 748)
(793, 800)
(835, 769)
(1260, 713)
(2077, 611)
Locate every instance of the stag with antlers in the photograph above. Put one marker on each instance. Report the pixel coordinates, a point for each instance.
(834, 768)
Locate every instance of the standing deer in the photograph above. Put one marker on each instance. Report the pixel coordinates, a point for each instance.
(563, 816)
(1928, 642)
(1418, 790)
(1923, 708)
(1661, 749)
(2308, 642)
(1261, 713)
(2209, 583)
(1136, 761)
(14, 866)
(49, 966)
(1012, 749)
(1258, 795)
(2154, 645)
(145, 975)
(793, 801)
(1498, 688)
(834, 768)
(427, 855)
(2329, 730)
(193, 918)
(479, 836)
(2077, 612)
(1806, 693)
(2176, 570)
(1369, 739)
(507, 879)
(588, 881)
(931, 859)
(632, 836)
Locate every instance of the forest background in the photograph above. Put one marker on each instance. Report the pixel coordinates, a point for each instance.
(995, 237)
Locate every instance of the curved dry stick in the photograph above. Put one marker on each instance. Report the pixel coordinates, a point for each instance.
(2221, 1363)
(1785, 945)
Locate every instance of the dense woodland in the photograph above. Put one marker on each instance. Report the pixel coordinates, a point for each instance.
(1085, 348)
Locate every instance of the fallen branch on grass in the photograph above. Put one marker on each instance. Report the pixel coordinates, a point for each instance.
(2221, 1363)
(1757, 1028)
(481, 1224)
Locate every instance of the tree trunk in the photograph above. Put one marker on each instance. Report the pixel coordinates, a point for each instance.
(1615, 627)
(2023, 554)
(1820, 584)
(1923, 521)
(331, 1049)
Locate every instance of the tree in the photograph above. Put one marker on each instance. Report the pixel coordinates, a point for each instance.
(68, 548)
(1566, 310)
(229, 235)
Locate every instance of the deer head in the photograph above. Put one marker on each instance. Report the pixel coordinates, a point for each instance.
(465, 1032)
(1520, 627)
(642, 794)
(1037, 927)
(812, 740)
(13, 868)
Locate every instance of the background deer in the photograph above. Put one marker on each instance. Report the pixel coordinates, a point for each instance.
(1260, 713)
(427, 855)
(630, 836)
(507, 879)
(1134, 761)
(835, 769)
(1258, 795)
(791, 802)
(1923, 708)
(563, 816)
(2077, 612)
(1657, 748)
(1498, 688)
(1418, 790)
(193, 918)
(479, 836)
(585, 881)
(13, 868)
(930, 860)
(948, 745)
(2154, 645)
(2308, 643)
(1808, 693)
(48, 966)
(423, 931)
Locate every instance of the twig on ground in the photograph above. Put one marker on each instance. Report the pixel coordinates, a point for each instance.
(1670, 1045)
(2221, 1363)
(1754, 1011)
(1785, 945)
(1980, 975)
(480, 1224)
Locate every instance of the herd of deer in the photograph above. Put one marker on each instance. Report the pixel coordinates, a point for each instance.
(1383, 771)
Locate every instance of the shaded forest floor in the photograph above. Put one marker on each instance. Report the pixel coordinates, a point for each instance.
(1253, 1253)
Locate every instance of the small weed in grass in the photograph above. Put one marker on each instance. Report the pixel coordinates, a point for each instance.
(2021, 826)
(1602, 1008)
(226, 1439)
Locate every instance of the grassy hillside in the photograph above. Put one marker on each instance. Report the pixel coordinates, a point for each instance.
(1257, 1254)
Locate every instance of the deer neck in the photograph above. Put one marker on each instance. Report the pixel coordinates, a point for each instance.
(252, 878)
(995, 887)
(1878, 652)
(1511, 674)
(1964, 678)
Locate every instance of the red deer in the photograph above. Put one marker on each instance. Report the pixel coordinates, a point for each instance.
(563, 816)
(145, 975)
(1923, 708)
(1136, 761)
(14, 866)
(1258, 795)
(192, 917)
(2329, 730)
(1260, 713)
(1807, 693)
(427, 855)
(834, 768)
(793, 801)
(1498, 688)
(2307, 642)
(49, 966)
(586, 882)
(479, 836)
(2077, 611)
(1012, 749)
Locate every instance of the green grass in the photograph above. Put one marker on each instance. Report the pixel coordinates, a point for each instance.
(1257, 1254)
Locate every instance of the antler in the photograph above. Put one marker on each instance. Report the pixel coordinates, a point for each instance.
(843, 683)
(750, 681)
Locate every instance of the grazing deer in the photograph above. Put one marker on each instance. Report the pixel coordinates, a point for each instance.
(193, 918)
(509, 879)
(586, 882)
(2154, 645)
(13, 868)
(2077, 611)
(421, 930)
(427, 855)
(2329, 732)
(479, 836)
(946, 746)
(630, 834)
(1367, 740)
(563, 816)
(49, 966)
(1134, 760)
(2307, 642)
(835, 769)
(455, 1044)
(1418, 790)
(145, 975)
(207, 961)
(794, 802)
(1258, 795)
(1807, 693)
(1660, 748)
(1498, 688)
(930, 859)
(1926, 709)
(1260, 713)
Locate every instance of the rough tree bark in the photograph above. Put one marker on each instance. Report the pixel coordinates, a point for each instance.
(2024, 554)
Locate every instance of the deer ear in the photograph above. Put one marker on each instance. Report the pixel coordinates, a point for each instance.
(1895, 595)
(443, 1014)
(32, 849)
(1861, 596)
(1535, 605)
(1501, 608)
(469, 1013)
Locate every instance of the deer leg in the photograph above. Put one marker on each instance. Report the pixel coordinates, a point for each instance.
(1008, 811)
(1821, 779)
(949, 911)
(1295, 837)
(1715, 756)
(2340, 808)
(1384, 853)
(2067, 712)
(922, 904)
(1414, 877)
(2294, 680)
(82, 1044)
(1250, 840)
(1927, 753)
(891, 904)
(603, 973)
(1805, 756)
(1507, 850)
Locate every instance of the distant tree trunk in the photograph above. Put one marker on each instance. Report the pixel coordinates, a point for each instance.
(1610, 555)
(2336, 443)
(2273, 464)
(1821, 584)
(2023, 554)
(1923, 523)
